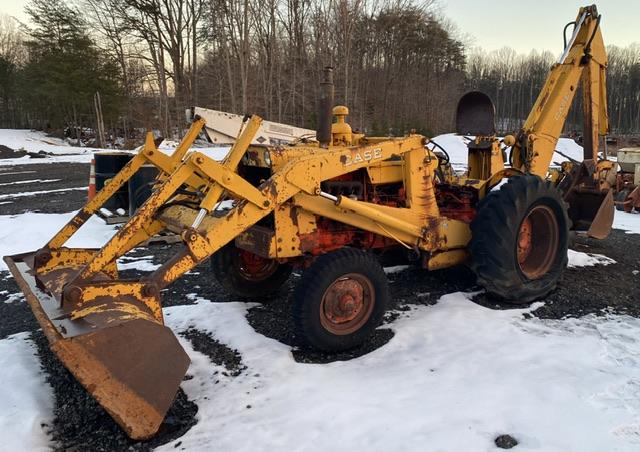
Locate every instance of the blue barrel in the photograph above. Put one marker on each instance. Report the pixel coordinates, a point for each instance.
(108, 164)
(140, 186)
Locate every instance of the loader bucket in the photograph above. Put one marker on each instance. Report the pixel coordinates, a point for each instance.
(116, 347)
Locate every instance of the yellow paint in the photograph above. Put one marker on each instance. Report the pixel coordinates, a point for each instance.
(117, 290)
(544, 124)
(447, 259)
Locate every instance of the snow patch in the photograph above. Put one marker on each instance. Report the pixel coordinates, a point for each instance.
(26, 399)
(214, 152)
(143, 264)
(396, 269)
(34, 181)
(35, 141)
(11, 173)
(30, 231)
(39, 192)
(454, 376)
(629, 222)
(580, 259)
(26, 160)
(11, 297)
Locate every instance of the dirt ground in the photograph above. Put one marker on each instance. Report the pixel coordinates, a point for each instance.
(81, 424)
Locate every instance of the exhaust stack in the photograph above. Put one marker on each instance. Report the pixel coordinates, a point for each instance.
(325, 108)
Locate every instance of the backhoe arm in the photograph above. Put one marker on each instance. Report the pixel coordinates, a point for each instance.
(584, 60)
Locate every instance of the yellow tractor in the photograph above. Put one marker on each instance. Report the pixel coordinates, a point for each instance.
(329, 207)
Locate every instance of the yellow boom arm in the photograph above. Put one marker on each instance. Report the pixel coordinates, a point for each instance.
(584, 60)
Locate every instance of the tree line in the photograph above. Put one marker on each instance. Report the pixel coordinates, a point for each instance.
(398, 65)
(514, 81)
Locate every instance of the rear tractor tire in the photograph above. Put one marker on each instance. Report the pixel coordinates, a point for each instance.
(248, 275)
(340, 300)
(520, 239)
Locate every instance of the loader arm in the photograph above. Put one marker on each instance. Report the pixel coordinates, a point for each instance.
(148, 154)
(418, 226)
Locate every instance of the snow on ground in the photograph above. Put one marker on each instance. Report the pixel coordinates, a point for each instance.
(26, 399)
(35, 141)
(30, 231)
(454, 376)
(580, 259)
(396, 269)
(26, 160)
(629, 222)
(8, 298)
(38, 192)
(33, 181)
(142, 263)
(214, 152)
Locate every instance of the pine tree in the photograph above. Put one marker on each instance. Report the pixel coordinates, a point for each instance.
(65, 69)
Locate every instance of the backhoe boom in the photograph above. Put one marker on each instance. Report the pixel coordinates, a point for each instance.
(584, 63)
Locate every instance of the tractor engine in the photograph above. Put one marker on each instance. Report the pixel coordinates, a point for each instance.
(332, 235)
(457, 202)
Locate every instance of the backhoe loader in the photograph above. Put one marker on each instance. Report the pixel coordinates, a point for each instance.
(330, 207)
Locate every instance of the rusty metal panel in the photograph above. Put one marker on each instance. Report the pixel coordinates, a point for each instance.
(258, 240)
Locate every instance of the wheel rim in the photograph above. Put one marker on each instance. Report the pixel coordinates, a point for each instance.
(253, 267)
(537, 244)
(347, 304)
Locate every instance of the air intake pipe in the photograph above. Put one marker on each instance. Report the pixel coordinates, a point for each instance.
(325, 107)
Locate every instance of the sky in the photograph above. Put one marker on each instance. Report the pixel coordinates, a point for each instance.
(520, 24)
(525, 25)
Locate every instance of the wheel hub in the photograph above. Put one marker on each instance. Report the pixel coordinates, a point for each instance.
(537, 242)
(344, 299)
(347, 304)
(253, 267)
(524, 241)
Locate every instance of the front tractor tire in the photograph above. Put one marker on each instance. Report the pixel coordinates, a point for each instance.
(520, 239)
(248, 275)
(340, 300)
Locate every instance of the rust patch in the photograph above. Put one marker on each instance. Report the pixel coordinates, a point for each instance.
(82, 216)
(269, 188)
(257, 240)
(293, 214)
(309, 242)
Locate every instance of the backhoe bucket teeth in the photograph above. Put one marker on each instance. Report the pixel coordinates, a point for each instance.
(591, 211)
(116, 347)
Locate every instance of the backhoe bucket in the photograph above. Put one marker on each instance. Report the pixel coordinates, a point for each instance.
(591, 206)
(591, 211)
(117, 347)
